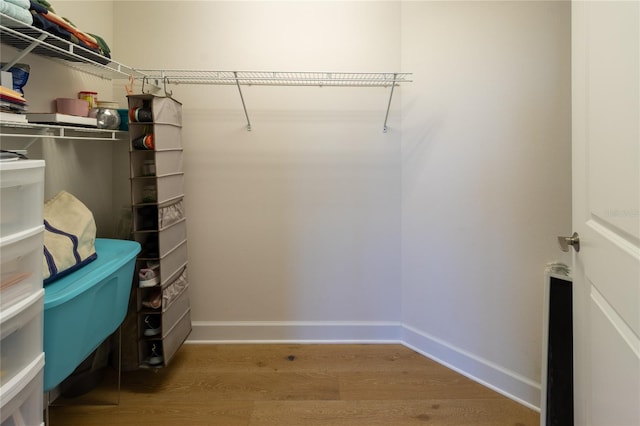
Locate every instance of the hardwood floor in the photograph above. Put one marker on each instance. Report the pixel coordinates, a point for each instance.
(293, 385)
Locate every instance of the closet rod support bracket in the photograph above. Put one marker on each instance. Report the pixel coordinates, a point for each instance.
(386, 117)
(244, 107)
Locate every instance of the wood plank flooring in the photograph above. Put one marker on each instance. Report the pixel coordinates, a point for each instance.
(293, 385)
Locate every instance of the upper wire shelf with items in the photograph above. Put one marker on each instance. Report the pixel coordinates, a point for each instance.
(27, 39)
(276, 78)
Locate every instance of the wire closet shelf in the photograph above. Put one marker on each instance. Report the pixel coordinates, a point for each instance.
(275, 78)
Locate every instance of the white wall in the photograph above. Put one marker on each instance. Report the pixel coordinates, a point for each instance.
(486, 172)
(318, 226)
(294, 227)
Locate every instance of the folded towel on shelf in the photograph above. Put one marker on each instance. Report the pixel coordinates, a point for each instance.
(22, 3)
(106, 50)
(16, 12)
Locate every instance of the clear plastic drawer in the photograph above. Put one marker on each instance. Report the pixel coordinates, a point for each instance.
(20, 265)
(22, 195)
(22, 402)
(21, 328)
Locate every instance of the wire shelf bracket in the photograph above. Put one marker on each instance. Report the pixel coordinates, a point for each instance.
(244, 106)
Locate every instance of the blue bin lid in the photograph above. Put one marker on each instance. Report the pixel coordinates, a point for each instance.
(112, 255)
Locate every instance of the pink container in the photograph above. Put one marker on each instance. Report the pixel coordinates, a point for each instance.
(70, 106)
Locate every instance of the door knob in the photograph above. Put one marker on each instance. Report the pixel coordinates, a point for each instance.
(573, 240)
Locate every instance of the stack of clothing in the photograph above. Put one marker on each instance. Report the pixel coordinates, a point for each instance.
(12, 105)
(40, 14)
(18, 10)
(45, 18)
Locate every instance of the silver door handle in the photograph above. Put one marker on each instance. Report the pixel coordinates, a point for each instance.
(573, 240)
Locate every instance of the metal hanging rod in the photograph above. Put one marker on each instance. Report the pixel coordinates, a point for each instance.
(278, 78)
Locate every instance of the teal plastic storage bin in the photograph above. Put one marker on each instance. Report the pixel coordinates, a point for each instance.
(84, 308)
(124, 119)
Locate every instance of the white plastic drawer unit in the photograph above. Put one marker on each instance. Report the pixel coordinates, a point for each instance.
(21, 332)
(22, 195)
(21, 398)
(20, 265)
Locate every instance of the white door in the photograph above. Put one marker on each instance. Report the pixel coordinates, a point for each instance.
(606, 211)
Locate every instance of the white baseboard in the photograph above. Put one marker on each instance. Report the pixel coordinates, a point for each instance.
(295, 331)
(508, 383)
(493, 376)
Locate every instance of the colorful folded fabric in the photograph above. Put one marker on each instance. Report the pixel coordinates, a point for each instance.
(46, 5)
(46, 19)
(84, 37)
(10, 94)
(37, 7)
(8, 104)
